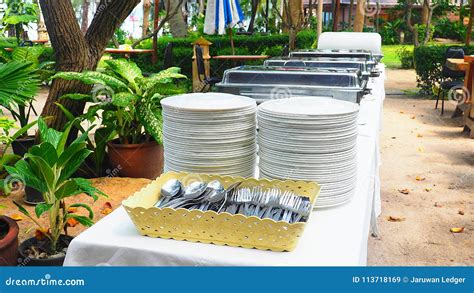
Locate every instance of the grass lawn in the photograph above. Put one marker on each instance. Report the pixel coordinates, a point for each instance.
(391, 59)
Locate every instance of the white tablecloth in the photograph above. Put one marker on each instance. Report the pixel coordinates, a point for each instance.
(333, 237)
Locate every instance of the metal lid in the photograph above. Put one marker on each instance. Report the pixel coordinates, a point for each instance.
(306, 76)
(334, 53)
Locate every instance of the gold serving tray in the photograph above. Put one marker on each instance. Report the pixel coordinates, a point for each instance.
(210, 227)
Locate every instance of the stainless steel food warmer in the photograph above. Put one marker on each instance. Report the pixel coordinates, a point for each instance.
(337, 53)
(267, 82)
(322, 62)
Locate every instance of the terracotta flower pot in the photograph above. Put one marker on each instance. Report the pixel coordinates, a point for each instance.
(22, 145)
(143, 160)
(9, 242)
(24, 260)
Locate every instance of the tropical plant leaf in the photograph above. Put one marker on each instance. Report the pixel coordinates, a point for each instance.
(101, 136)
(70, 152)
(20, 83)
(28, 54)
(123, 99)
(71, 165)
(42, 208)
(92, 77)
(69, 188)
(42, 168)
(46, 151)
(78, 97)
(22, 209)
(82, 205)
(167, 75)
(152, 121)
(127, 70)
(48, 134)
(23, 130)
(83, 220)
(86, 187)
(23, 170)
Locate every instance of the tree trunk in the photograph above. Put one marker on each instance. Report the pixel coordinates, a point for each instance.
(76, 52)
(461, 16)
(335, 20)
(253, 15)
(85, 16)
(351, 7)
(320, 17)
(377, 18)
(156, 16)
(428, 22)
(360, 16)
(146, 17)
(425, 10)
(469, 26)
(413, 30)
(177, 25)
(202, 5)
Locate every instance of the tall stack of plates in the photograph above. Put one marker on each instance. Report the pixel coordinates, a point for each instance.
(310, 138)
(212, 133)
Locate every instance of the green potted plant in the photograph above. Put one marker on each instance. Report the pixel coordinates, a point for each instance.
(20, 84)
(128, 105)
(48, 167)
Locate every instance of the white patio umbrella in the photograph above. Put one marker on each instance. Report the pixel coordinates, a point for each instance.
(222, 15)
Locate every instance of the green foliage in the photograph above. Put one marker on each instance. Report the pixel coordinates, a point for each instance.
(48, 168)
(5, 126)
(20, 84)
(444, 28)
(271, 44)
(406, 57)
(390, 31)
(428, 62)
(126, 102)
(18, 15)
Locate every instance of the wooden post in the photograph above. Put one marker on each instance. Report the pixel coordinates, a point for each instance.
(197, 85)
(335, 19)
(469, 25)
(156, 11)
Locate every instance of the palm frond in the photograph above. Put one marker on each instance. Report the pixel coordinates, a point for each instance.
(18, 83)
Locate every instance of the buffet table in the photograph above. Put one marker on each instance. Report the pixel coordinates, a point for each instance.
(333, 237)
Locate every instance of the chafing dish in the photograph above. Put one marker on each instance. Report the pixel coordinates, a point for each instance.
(268, 82)
(322, 62)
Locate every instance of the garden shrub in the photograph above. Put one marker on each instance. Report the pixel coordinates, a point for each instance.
(428, 60)
(271, 45)
(444, 28)
(406, 57)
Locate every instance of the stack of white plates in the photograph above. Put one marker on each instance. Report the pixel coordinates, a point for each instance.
(310, 138)
(212, 133)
